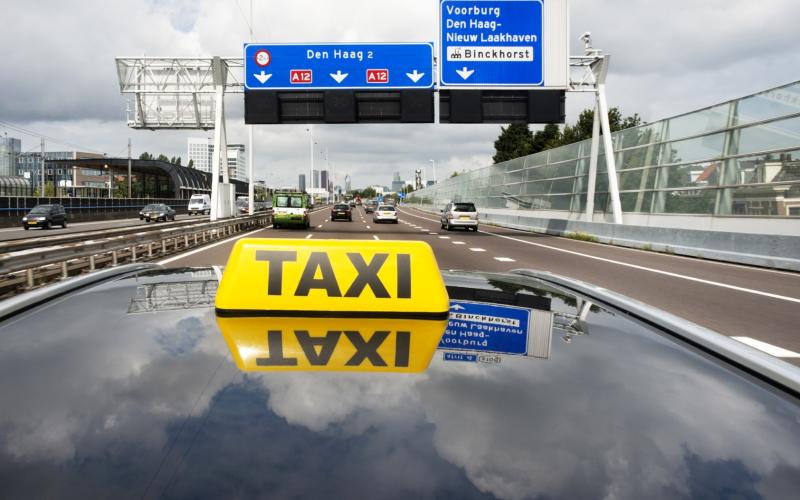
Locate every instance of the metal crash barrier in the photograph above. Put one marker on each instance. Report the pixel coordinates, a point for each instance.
(31, 267)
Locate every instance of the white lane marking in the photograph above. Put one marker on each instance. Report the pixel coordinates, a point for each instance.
(368, 227)
(433, 232)
(319, 226)
(203, 249)
(375, 236)
(504, 259)
(308, 237)
(643, 268)
(477, 250)
(776, 351)
(459, 243)
(444, 237)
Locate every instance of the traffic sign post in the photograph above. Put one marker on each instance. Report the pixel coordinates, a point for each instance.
(371, 66)
(491, 43)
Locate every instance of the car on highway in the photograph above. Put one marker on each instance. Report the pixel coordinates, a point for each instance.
(369, 206)
(158, 212)
(45, 217)
(459, 214)
(385, 213)
(357, 369)
(352, 203)
(199, 204)
(341, 211)
(291, 209)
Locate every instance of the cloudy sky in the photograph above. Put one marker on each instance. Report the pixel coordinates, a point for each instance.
(58, 77)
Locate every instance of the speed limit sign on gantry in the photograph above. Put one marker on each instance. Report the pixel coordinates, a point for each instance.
(263, 58)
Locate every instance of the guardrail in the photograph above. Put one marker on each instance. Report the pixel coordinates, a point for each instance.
(49, 238)
(36, 266)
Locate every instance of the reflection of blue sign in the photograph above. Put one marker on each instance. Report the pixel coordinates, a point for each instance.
(459, 356)
(338, 66)
(487, 43)
(475, 326)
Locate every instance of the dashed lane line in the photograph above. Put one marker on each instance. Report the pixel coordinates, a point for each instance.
(641, 268)
(770, 349)
(504, 259)
(477, 250)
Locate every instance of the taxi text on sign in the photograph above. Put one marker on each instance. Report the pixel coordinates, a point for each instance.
(332, 305)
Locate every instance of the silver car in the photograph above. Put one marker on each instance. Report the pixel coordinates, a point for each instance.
(460, 214)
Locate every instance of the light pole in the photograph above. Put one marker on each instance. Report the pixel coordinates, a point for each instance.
(310, 183)
(109, 180)
(433, 164)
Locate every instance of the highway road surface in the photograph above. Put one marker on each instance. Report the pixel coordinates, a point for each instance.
(13, 233)
(757, 306)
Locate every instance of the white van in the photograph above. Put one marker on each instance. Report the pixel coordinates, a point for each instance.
(200, 204)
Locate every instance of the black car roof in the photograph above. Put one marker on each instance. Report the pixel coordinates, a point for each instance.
(143, 399)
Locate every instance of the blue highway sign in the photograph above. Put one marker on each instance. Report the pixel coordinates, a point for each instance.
(484, 327)
(338, 66)
(490, 43)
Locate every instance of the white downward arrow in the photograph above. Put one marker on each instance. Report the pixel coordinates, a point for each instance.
(262, 77)
(465, 73)
(415, 76)
(339, 76)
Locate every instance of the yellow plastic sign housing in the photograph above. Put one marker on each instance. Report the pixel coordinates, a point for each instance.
(286, 304)
(332, 278)
(331, 344)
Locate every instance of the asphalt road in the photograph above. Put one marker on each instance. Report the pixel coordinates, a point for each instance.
(13, 233)
(735, 300)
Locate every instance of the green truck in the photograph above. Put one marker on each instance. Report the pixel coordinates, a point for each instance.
(290, 209)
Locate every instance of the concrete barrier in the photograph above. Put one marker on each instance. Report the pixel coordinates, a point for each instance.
(764, 250)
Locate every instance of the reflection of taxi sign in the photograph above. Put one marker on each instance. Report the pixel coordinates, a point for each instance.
(332, 305)
(332, 278)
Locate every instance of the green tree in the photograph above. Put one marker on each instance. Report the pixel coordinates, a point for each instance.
(548, 138)
(368, 193)
(514, 141)
(191, 163)
(49, 189)
(163, 158)
(454, 174)
(409, 188)
(146, 156)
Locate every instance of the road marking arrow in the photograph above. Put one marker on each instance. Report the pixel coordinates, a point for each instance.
(415, 76)
(262, 77)
(339, 76)
(457, 307)
(465, 73)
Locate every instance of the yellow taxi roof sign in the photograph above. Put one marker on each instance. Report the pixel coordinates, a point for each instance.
(332, 278)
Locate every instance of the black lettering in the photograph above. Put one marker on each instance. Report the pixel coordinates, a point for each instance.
(327, 344)
(366, 349)
(403, 276)
(327, 280)
(275, 351)
(402, 348)
(276, 258)
(368, 275)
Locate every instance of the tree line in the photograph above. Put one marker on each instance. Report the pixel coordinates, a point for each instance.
(517, 140)
(175, 160)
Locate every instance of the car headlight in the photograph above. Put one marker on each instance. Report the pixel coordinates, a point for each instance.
(24, 219)
(41, 218)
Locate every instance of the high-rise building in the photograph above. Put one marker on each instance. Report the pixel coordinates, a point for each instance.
(323, 180)
(397, 183)
(237, 162)
(301, 182)
(347, 183)
(9, 151)
(201, 151)
(314, 179)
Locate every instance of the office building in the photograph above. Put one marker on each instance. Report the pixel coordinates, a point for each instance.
(301, 182)
(347, 183)
(323, 180)
(397, 183)
(9, 151)
(29, 166)
(201, 152)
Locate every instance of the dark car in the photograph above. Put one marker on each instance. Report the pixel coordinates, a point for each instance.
(45, 217)
(341, 211)
(601, 396)
(157, 212)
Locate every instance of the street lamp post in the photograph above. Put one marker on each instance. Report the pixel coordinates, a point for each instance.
(433, 164)
(109, 180)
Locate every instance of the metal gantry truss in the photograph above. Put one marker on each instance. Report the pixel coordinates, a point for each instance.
(187, 93)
